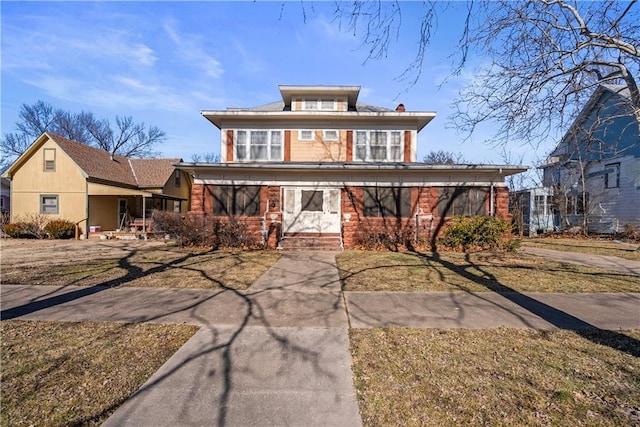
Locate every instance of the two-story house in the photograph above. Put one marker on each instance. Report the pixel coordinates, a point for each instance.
(320, 164)
(594, 172)
(60, 178)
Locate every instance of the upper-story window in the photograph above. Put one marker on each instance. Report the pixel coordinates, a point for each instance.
(612, 175)
(306, 135)
(259, 145)
(49, 158)
(329, 135)
(378, 145)
(310, 104)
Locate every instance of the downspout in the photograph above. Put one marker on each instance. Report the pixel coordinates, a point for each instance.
(263, 230)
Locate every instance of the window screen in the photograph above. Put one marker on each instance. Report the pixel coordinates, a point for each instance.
(387, 202)
(236, 200)
(462, 201)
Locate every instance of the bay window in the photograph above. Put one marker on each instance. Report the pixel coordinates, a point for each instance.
(259, 145)
(378, 145)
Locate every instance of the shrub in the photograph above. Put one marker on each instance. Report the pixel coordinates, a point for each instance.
(192, 230)
(29, 228)
(478, 232)
(60, 229)
(389, 238)
(17, 230)
(631, 233)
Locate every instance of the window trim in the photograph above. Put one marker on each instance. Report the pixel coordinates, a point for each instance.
(42, 205)
(306, 102)
(301, 138)
(248, 132)
(616, 170)
(326, 138)
(45, 160)
(177, 178)
(389, 145)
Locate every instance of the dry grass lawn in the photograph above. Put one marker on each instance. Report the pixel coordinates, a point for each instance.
(61, 374)
(473, 272)
(587, 246)
(427, 377)
(140, 264)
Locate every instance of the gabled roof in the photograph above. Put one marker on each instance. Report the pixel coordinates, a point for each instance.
(598, 99)
(96, 163)
(99, 165)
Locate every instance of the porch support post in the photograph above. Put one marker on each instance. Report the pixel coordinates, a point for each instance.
(144, 215)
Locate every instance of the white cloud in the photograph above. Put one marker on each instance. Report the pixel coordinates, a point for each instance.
(190, 49)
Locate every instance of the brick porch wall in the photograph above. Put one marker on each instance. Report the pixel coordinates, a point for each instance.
(423, 223)
(202, 205)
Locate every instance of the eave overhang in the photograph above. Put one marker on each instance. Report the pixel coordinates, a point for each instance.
(290, 91)
(414, 119)
(194, 168)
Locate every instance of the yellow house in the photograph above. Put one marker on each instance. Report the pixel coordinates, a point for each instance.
(70, 180)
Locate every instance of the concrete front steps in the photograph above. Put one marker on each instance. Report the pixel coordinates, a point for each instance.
(311, 241)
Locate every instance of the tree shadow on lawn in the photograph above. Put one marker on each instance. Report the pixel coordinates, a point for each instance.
(558, 318)
(223, 341)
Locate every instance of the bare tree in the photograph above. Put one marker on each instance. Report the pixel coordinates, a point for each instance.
(206, 158)
(127, 138)
(442, 157)
(544, 58)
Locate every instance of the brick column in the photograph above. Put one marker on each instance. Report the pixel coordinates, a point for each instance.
(501, 202)
(197, 198)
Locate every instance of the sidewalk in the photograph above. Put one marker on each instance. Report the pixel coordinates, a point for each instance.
(612, 263)
(278, 353)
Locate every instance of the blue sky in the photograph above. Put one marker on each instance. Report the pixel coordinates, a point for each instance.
(164, 62)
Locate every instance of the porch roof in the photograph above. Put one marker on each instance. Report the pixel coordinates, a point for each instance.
(369, 167)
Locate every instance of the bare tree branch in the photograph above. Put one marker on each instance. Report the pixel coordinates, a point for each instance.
(130, 139)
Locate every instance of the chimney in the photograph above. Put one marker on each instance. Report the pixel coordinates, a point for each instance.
(400, 107)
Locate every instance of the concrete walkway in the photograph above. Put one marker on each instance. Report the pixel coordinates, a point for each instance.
(278, 353)
(611, 263)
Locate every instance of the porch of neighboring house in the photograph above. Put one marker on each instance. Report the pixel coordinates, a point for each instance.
(127, 216)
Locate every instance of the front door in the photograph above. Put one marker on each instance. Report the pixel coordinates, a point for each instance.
(311, 210)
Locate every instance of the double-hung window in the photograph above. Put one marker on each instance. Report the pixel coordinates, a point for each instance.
(49, 204)
(378, 145)
(49, 164)
(259, 145)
